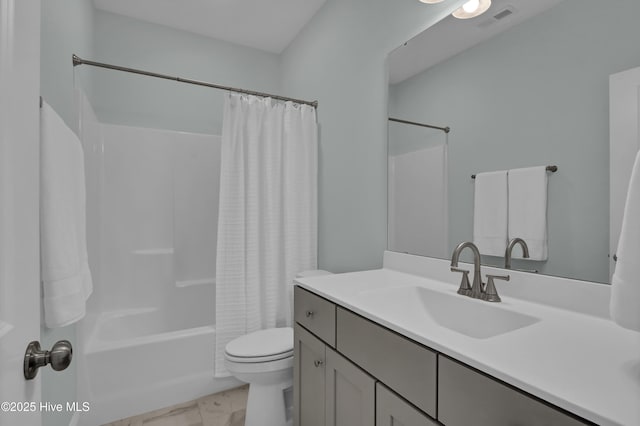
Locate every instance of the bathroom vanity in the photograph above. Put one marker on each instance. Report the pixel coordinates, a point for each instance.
(399, 346)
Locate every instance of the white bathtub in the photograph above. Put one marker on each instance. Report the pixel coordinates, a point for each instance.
(139, 360)
(147, 341)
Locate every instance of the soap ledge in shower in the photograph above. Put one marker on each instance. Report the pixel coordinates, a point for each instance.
(189, 283)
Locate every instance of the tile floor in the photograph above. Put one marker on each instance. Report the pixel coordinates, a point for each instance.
(221, 409)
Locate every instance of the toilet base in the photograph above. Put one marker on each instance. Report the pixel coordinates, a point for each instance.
(269, 373)
(266, 405)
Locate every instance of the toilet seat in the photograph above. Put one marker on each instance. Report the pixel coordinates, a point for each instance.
(261, 346)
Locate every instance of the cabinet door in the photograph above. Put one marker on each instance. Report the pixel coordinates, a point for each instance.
(391, 410)
(350, 393)
(308, 379)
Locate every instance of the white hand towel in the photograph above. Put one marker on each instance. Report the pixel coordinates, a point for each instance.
(528, 209)
(490, 213)
(66, 279)
(625, 283)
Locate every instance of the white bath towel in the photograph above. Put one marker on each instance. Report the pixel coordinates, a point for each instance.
(490, 213)
(66, 279)
(625, 283)
(528, 209)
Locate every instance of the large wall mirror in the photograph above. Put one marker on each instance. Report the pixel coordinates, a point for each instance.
(525, 84)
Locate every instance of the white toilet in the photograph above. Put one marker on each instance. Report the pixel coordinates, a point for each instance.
(264, 359)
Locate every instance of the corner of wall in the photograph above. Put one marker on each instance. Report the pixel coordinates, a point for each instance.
(339, 58)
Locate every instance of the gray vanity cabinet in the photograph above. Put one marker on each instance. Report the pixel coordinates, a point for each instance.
(351, 371)
(328, 389)
(407, 368)
(467, 397)
(391, 410)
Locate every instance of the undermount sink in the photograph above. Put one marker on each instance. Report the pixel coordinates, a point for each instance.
(473, 318)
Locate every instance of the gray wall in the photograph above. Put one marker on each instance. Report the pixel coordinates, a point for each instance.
(340, 59)
(129, 99)
(535, 95)
(67, 27)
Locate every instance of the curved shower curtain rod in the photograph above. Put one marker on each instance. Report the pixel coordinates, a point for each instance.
(79, 61)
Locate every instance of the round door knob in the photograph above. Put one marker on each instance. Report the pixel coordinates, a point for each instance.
(60, 355)
(34, 357)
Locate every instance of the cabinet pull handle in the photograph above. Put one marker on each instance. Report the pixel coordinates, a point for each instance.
(309, 314)
(318, 362)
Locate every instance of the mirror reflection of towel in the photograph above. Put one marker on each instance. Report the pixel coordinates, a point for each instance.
(528, 209)
(490, 213)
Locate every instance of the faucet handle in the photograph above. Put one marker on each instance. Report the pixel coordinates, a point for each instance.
(465, 287)
(490, 293)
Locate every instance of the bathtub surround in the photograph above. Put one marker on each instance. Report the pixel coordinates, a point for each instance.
(625, 289)
(267, 228)
(152, 198)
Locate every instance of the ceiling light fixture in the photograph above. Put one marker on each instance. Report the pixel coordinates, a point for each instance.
(471, 9)
(431, 1)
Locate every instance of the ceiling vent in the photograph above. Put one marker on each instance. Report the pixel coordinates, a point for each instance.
(503, 13)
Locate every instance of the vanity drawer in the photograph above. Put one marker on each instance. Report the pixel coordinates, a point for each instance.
(467, 397)
(404, 366)
(316, 314)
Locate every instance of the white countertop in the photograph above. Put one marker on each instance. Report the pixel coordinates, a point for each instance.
(575, 360)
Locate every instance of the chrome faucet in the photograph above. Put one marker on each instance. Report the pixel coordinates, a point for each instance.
(476, 289)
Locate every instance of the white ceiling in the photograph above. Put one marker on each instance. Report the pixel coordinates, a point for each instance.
(265, 25)
(451, 36)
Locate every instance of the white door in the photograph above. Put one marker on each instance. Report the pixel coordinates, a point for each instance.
(19, 222)
(624, 142)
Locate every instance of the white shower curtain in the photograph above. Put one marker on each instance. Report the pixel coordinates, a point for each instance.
(267, 225)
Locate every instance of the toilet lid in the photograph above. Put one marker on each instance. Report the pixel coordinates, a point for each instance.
(261, 346)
